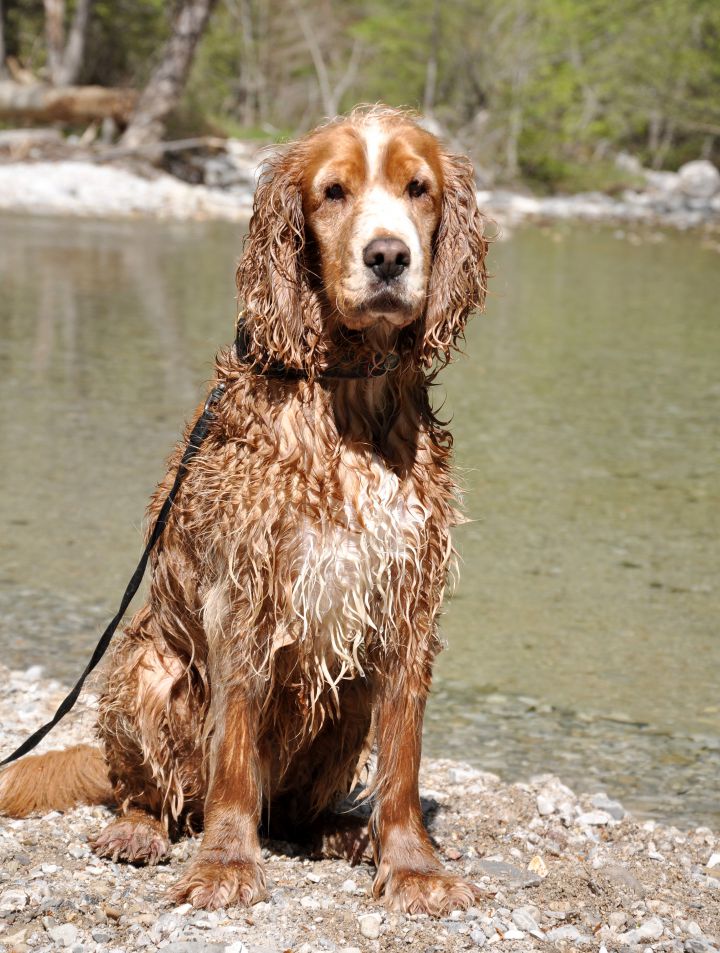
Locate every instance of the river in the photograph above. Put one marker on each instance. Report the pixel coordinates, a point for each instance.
(583, 634)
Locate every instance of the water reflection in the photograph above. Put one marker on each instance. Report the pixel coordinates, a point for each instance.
(583, 636)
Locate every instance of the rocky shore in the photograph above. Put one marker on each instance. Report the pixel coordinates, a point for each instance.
(556, 871)
(46, 176)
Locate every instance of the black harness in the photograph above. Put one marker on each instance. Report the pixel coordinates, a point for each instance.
(378, 367)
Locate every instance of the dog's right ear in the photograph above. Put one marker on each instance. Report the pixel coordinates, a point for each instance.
(272, 283)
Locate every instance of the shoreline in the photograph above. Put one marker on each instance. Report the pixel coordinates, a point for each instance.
(555, 870)
(86, 189)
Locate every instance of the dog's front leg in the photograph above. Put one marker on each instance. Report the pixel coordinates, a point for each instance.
(409, 874)
(228, 867)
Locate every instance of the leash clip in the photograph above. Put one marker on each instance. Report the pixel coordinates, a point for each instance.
(213, 397)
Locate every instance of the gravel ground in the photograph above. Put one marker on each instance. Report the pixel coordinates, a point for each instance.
(557, 871)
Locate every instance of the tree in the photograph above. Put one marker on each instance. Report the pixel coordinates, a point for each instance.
(65, 59)
(167, 81)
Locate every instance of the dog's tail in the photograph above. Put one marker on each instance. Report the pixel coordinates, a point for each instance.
(55, 781)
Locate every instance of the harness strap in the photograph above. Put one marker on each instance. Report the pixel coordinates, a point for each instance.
(195, 440)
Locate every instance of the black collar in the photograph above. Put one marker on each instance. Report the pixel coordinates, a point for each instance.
(379, 366)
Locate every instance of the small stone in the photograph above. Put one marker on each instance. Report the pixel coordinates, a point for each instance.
(545, 805)
(478, 937)
(538, 866)
(604, 803)
(64, 935)
(13, 900)
(617, 920)
(348, 886)
(514, 875)
(524, 920)
(594, 818)
(622, 877)
(695, 945)
(513, 934)
(714, 861)
(566, 932)
(350, 949)
(452, 853)
(370, 925)
(652, 929)
(309, 903)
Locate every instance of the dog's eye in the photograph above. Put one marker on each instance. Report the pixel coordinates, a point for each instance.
(335, 192)
(416, 189)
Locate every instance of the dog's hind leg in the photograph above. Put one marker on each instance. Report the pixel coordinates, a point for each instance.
(150, 720)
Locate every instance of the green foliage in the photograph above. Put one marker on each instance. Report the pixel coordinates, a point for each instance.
(541, 90)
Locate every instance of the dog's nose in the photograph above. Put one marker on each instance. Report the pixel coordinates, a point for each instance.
(387, 257)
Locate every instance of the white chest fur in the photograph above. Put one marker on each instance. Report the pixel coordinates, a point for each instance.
(351, 564)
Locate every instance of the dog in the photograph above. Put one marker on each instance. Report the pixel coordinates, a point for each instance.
(291, 621)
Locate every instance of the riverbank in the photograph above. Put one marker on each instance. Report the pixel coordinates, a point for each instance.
(556, 870)
(218, 183)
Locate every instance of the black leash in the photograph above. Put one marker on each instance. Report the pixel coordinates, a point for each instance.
(378, 367)
(197, 435)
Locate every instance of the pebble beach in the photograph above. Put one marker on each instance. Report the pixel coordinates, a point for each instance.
(556, 871)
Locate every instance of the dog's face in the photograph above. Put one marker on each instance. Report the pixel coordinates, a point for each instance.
(372, 197)
(368, 224)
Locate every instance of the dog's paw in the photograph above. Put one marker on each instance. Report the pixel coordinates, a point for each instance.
(137, 839)
(213, 885)
(437, 893)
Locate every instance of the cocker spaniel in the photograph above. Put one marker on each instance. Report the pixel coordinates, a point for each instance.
(291, 622)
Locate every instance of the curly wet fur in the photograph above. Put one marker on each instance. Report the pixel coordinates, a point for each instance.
(291, 619)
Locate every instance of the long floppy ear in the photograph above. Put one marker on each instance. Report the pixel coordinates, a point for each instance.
(458, 276)
(277, 303)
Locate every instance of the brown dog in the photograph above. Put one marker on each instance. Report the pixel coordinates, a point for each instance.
(292, 616)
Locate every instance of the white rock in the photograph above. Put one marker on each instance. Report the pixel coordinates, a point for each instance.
(12, 900)
(617, 920)
(64, 935)
(370, 925)
(462, 774)
(714, 860)
(594, 818)
(349, 886)
(567, 932)
(700, 179)
(513, 935)
(545, 805)
(309, 903)
(524, 920)
(604, 803)
(652, 929)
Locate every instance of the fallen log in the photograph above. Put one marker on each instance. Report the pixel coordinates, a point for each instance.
(42, 103)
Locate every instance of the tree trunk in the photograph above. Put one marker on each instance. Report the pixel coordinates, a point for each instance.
(40, 103)
(431, 68)
(54, 36)
(167, 81)
(75, 47)
(3, 67)
(65, 59)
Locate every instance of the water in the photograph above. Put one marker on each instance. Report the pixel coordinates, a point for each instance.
(583, 634)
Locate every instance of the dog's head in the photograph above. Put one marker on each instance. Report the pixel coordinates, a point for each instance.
(366, 224)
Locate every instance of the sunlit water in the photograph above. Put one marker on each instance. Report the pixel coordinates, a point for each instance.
(583, 635)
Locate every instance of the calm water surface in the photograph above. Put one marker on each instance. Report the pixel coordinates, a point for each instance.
(583, 636)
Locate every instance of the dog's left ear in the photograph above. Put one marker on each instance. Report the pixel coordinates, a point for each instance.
(276, 300)
(458, 277)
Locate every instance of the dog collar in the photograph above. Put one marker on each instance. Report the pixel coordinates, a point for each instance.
(378, 366)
